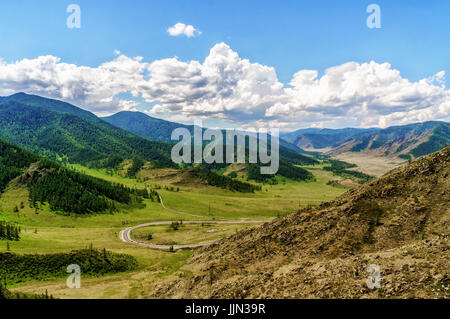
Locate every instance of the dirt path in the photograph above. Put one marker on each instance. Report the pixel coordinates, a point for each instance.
(125, 234)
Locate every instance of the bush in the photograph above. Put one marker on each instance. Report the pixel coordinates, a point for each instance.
(175, 225)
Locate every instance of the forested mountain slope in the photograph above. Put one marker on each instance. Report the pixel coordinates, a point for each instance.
(49, 104)
(63, 189)
(414, 139)
(161, 130)
(62, 130)
(146, 126)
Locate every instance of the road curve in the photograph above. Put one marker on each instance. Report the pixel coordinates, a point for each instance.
(124, 235)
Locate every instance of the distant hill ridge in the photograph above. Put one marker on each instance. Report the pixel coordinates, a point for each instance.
(415, 140)
(161, 130)
(145, 125)
(49, 104)
(56, 129)
(63, 132)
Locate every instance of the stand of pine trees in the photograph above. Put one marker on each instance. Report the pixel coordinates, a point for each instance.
(73, 192)
(9, 231)
(65, 190)
(77, 193)
(13, 161)
(340, 168)
(136, 167)
(214, 179)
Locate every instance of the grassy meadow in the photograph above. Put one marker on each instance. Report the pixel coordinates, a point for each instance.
(45, 232)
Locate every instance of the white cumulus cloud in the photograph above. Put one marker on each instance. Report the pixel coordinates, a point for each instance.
(91, 88)
(235, 90)
(183, 29)
(371, 94)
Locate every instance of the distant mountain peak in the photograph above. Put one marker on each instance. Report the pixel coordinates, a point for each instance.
(49, 104)
(59, 129)
(144, 125)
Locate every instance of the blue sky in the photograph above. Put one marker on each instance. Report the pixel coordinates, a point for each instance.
(286, 35)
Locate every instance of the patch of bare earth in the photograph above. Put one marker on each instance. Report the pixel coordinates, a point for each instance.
(348, 183)
(371, 164)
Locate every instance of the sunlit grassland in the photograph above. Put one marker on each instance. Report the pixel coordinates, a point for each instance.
(285, 197)
(49, 232)
(216, 203)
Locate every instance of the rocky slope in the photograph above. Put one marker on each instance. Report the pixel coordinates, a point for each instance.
(399, 222)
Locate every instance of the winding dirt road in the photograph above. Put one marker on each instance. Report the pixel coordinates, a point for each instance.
(125, 234)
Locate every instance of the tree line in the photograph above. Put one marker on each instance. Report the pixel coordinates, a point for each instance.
(341, 168)
(9, 231)
(93, 262)
(214, 179)
(74, 192)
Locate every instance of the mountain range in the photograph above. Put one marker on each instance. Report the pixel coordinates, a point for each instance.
(414, 140)
(160, 130)
(56, 129)
(398, 222)
(64, 132)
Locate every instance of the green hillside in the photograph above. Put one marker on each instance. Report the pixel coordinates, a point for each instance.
(439, 139)
(13, 162)
(144, 125)
(53, 133)
(63, 189)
